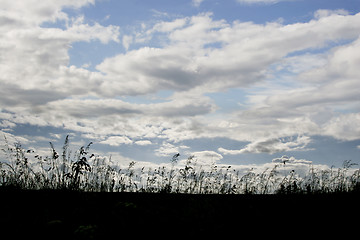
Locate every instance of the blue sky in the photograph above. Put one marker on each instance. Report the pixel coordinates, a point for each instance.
(238, 82)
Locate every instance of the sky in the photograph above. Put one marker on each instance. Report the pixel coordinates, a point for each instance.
(231, 82)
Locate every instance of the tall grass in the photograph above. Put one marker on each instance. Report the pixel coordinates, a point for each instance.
(83, 171)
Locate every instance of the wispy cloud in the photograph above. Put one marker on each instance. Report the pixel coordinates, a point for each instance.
(272, 146)
(262, 1)
(197, 3)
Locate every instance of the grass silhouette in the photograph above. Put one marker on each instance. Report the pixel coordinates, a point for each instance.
(81, 196)
(83, 171)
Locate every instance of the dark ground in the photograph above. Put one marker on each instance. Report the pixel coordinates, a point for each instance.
(76, 215)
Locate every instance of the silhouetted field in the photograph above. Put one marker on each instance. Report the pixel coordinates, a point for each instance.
(83, 171)
(80, 196)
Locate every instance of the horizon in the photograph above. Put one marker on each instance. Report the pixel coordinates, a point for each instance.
(235, 82)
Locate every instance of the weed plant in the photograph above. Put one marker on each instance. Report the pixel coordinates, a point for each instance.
(83, 171)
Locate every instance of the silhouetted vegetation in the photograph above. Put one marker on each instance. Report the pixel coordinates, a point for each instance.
(83, 171)
(81, 196)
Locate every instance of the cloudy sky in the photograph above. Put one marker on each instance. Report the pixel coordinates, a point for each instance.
(229, 81)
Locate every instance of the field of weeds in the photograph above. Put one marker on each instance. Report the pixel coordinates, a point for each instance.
(80, 196)
(83, 171)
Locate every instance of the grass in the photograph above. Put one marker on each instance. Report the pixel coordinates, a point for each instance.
(77, 195)
(83, 171)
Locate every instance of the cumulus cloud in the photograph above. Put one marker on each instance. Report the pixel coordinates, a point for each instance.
(344, 127)
(197, 55)
(188, 60)
(166, 150)
(35, 58)
(32, 12)
(327, 91)
(207, 157)
(80, 31)
(116, 141)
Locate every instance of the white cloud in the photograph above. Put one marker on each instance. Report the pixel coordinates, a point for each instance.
(168, 26)
(344, 127)
(186, 63)
(262, 1)
(207, 157)
(301, 63)
(4, 124)
(166, 150)
(116, 141)
(189, 61)
(197, 3)
(106, 115)
(143, 142)
(127, 40)
(33, 56)
(80, 31)
(228, 151)
(326, 12)
(313, 102)
(198, 55)
(300, 167)
(32, 12)
(290, 160)
(11, 139)
(272, 146)
(341, 68)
